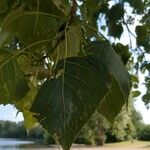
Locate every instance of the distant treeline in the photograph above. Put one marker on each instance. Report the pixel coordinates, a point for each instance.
(10, 129)
(90, 134)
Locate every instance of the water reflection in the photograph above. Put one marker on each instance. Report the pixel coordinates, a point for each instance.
(15, 144)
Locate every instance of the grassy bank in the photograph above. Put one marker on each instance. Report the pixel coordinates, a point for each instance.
(130, 144)
(136, 145)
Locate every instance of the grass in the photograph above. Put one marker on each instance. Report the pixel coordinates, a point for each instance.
(138, 144)
(128, 143)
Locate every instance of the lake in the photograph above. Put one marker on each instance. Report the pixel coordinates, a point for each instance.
(16, 144)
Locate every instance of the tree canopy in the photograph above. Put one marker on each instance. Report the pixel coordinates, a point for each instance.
(62, 60)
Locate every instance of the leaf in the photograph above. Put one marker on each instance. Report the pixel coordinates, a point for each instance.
(123, 52)
(25, 62)
(143, 36)
(134, 79)
(24, 106)
(65, 103)
(3, 6)
(29, 120)
(30, 27)
(146, 98)
(138, 5)
(102, 52)
(62, 5)
(103, 27)
(136, 93)
(71, 45)
(115, 30)
(121, 84)
(90, 11)
(88, 30)
(13, 85)
(116, 12)
(112, 104)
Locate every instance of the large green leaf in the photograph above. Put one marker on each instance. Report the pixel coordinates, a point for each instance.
(112, 104)
(103, 53)
(65, 103)
(13, 85)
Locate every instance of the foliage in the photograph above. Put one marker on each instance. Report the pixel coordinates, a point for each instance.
(10, 129)
(124, 128)
(93, 131)
(58, 69)
(128, 123)
(144, 134)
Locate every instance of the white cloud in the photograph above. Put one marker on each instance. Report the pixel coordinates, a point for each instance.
(9, 112)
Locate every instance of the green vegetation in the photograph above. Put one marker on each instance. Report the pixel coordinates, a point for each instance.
(61, 61)
(144, 133)
(12, 130)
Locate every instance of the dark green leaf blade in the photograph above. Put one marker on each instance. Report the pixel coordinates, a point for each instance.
(104, 53)
(121, 82)
(112, 104)
(65, 103)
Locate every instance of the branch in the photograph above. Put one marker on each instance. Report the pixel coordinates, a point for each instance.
(128, 28)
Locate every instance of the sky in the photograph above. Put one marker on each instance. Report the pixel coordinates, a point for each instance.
(9, 112)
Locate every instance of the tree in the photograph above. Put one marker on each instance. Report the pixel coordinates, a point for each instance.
(10, 129)
(127, 126)
(144, 134)
(57, 67)
(93, 131)
(124, 128)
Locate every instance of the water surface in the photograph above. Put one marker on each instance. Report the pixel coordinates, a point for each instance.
(16, 144)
